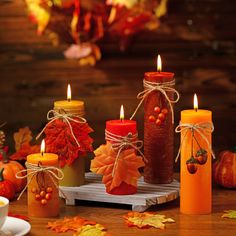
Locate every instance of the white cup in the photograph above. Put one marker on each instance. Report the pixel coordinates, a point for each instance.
(3, 210)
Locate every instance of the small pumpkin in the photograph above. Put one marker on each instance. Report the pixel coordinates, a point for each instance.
(7, 188)
(10, 170)
(224, 169)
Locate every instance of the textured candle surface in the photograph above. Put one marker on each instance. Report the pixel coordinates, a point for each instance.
(195, 190)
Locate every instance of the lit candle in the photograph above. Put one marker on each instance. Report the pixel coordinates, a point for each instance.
(74, 175)
(122, 127)
(158, 127)
(43, 197)
(195, 192)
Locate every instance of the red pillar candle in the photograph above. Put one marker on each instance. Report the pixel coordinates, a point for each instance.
(123, 128)
(158, 130)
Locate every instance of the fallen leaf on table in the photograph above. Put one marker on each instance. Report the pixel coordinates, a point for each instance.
(92, 230)
(69, 223)
(231, 214)
(126, 168)
(146, 220)
(23, 136)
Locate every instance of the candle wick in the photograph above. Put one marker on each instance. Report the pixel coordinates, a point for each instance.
(195, 109)
(42, 153)
(68, 99)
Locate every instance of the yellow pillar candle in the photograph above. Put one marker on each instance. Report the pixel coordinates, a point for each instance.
(74, 175)
(196, 188)
(43, 196)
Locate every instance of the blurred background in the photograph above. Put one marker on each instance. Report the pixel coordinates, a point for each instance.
(196, 40)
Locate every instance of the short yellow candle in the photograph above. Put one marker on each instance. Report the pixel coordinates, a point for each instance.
(195, 191)
(73, 174)
(43, 196)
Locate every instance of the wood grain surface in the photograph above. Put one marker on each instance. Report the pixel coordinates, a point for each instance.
(111, 216)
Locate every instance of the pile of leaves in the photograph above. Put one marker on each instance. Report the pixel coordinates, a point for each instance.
(79, 225)
(124, 168)
(146, 220)
(82, 23)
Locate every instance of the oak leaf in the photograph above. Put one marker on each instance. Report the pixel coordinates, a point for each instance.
(91, 230)
(69, 224)
(23, 136)
(146, 220)
(125, 167)
(231, 214)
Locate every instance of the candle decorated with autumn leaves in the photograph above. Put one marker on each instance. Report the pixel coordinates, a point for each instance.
(196, 190)
(67, 135)
(117, 160)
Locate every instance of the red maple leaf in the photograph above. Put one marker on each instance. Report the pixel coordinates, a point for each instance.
(59, 140)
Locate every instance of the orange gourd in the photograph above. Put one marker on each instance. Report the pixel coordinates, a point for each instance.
(7, 188)
(224, 169)
(10, 170)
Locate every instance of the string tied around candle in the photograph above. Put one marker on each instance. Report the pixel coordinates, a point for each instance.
(201, 128)
(52, 171)
(53, 115)
(119, 143)
(163, 88)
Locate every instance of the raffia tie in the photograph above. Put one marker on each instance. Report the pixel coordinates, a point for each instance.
(119, 143)
(34, 170)
(163, 88)
(201, 128)
(54, 115)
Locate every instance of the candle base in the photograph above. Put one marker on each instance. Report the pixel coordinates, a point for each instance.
(123, 189)
(74, 175)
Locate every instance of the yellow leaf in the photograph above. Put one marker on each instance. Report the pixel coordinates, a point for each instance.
(161, 10)
(231, 214)
(147, 219)
(91, 230)
(23, 136)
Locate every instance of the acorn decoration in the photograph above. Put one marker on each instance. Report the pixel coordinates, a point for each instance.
(42, 195)
(201, 156)
(192, 165)
(159, 115)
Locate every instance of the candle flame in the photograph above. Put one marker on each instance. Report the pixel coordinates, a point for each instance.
(68, 93)
(42, 149)
(159, 64)
(122, 114)
(195, 102)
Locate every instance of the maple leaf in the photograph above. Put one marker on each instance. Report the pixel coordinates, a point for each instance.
(146, 220)
(25, 150)
(23, 136)
(91, 230)
(125, 170)
(59, 140)
(69, 224)
(231, 214)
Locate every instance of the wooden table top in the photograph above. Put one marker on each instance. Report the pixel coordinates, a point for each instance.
(111, 217)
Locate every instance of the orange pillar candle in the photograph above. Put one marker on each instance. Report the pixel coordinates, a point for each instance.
(196, 188)
(43, 196)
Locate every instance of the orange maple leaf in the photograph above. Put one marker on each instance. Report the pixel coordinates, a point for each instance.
(124, 168)
(23, 136)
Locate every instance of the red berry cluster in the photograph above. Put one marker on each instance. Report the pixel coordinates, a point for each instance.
(42, 195)
(199, 159)
(161, 115)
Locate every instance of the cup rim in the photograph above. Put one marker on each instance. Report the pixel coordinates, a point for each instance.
(5, 200)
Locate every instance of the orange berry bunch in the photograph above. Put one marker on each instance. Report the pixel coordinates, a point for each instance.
(161, 115)
(42, 195)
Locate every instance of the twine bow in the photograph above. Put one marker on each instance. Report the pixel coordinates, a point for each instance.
(202, 129)
(163, 88)
(34, 170)
(54, 115)
(118, 143)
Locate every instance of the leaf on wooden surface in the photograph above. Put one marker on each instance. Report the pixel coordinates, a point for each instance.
(125, 169)
(59, 140)
(69, 224)
(231, 214)
(91, 230)
(146, 220)
(23, 136)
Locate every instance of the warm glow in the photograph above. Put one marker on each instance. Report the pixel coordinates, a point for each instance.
(68, 93)
(195, 102)
(122, 114)
(42, 149)
(159, 65)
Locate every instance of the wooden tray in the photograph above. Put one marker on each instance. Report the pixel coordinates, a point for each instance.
(147, 195)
